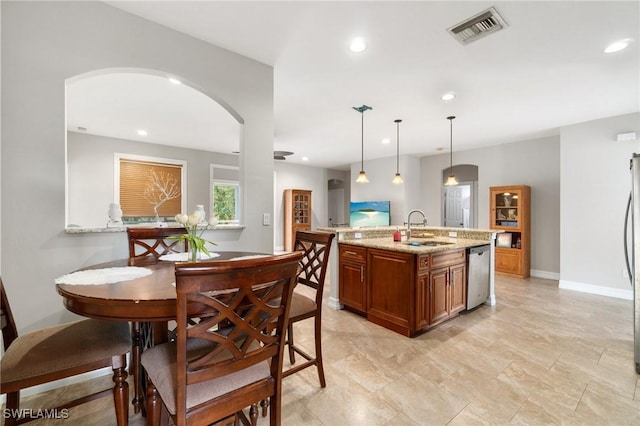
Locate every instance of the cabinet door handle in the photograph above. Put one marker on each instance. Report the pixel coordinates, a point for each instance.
(350, 252)
(361, 273)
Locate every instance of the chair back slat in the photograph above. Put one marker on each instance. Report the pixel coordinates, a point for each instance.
(7, 323)
(155, 242)
(243, 307)
(313, 265)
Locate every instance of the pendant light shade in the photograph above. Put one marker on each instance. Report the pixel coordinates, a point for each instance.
(397, 179)
(451, 180)
(362, 176)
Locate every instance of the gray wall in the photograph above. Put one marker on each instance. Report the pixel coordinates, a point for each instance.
(595, 185)
(90, 160)
(44, 43)
(535, 163)
(381, 172)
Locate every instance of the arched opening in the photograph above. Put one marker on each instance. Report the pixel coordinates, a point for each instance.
(143, 116)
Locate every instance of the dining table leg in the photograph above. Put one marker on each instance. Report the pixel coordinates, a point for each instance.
(136, 371)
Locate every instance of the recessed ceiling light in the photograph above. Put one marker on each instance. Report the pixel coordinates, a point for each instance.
(142, 132)
(305, 158)
(358, 45)
(82, 129)
(448, 96)
(617, 46)
(440, 148)
(175, 80)
(386, 141)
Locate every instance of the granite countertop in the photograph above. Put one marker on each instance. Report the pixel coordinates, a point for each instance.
(404, 227)
(387, 243)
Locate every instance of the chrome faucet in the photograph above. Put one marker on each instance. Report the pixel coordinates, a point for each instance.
(424, 221)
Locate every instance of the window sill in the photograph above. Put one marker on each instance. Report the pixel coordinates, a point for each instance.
(80, 230)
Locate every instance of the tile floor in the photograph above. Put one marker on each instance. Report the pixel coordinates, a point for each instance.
(542, 356)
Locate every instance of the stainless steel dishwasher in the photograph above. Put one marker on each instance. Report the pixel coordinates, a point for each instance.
(478, 259)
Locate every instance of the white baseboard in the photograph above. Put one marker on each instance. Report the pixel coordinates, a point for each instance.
(61, 383)
(618, 293)
(546, 275)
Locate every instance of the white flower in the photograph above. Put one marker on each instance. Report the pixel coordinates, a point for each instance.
(182, 219)
(194, 219)
(213, 221)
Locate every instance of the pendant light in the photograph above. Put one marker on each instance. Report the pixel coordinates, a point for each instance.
(397, 179)
(362, 176)
(451, 180)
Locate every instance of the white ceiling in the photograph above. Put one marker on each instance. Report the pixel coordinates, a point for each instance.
(545, 71)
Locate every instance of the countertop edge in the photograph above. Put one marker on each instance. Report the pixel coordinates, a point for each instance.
(403, 247)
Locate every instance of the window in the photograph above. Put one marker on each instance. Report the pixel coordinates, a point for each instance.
(149, 189)
(225, 193)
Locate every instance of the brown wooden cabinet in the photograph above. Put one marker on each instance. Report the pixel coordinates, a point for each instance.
(404, 292)
(353, 278)
(390, 290)
(447, 285)
(510, 211)
(297, 215)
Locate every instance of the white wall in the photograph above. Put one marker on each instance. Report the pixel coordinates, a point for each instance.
(595, 185)
(535, 163)
(381, 172)
(293, 176)
(44, 43)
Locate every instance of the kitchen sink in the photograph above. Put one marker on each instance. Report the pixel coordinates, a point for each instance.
(427, 243)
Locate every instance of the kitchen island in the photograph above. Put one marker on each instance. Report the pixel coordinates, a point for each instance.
(408, 287)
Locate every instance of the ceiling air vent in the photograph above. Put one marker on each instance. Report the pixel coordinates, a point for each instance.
(478, 26)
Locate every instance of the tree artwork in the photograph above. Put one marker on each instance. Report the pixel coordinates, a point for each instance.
(162, 187)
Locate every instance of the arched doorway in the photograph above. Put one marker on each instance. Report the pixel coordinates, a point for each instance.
(459, 203)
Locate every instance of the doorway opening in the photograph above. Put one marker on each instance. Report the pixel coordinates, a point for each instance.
(336, 196)
(460, 202)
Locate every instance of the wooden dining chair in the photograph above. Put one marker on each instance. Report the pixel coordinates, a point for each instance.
(143, 243)
(233, 356)
(59, 352)
(315, 247)
(155, 242)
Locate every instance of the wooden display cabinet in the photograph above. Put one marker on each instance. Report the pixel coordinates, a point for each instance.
(297, 215)
(510, 211)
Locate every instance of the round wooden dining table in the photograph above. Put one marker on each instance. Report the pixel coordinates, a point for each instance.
(147, 299)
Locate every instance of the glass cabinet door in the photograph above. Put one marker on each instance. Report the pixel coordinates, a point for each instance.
(301, 208)
(506, 212)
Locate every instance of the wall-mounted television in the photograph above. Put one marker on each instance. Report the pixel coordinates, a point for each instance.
(369, 213)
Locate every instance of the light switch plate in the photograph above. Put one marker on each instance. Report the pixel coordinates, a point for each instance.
(266, 219)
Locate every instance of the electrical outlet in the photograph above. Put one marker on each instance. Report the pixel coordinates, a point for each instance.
(357, 235)
(453, 234)
(266, 219)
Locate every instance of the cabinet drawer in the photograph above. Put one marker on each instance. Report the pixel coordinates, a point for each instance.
(353, 253)
(424, 262)
(450, 257)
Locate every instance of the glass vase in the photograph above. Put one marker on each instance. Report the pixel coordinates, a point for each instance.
(193, 253)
